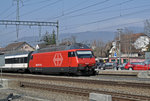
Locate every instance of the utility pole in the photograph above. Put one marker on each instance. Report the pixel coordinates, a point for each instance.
(57, 43)
(17, 18)
(40, 31)
(128, 43)
(130, 51)
(119, 32)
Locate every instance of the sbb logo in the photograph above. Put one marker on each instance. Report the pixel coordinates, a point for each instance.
(58, 59)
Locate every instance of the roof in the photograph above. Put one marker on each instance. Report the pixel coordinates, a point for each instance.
(42, 45)
(14, 46)
(131, 36)
(1, 51)
(127, 41)
(62, 47)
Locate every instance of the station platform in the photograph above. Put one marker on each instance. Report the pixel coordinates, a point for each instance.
(117, 72)
(9, 83)
(138, 73)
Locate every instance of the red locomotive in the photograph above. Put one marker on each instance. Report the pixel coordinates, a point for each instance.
(73, 59)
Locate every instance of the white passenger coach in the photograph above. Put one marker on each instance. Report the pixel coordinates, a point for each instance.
(16, 62)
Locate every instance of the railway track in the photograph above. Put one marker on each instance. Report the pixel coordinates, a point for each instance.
(84, 81)
(84, 92)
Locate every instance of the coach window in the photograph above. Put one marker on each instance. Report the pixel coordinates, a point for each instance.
(21, 60)
(15, 60)
(71, 54)
(25, 59)
(8, 61)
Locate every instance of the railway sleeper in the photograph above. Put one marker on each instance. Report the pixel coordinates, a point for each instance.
(84, 92)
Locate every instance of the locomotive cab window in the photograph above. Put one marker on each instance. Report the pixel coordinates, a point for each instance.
(85, 54)
(71, 54)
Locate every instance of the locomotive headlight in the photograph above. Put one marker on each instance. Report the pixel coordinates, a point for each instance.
(93, 64)
(79, 65)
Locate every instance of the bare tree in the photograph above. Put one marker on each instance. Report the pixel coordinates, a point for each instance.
(127, 40)
(100, 48)
(69, 40)
(107, 48)
(73, 39)
(147, 28)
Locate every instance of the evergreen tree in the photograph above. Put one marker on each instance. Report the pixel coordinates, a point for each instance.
(53, 37)
(49, 39)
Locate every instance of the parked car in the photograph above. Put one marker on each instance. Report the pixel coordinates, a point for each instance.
(137, 66)
(141, 66)
(99, 65)
(147, 61)
(129, 65)
(122, 66)
(110, 65)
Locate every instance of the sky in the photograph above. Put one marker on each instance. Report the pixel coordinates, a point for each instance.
(73, 16)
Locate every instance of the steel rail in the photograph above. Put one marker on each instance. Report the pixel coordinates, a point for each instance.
(85, 92)
(88, 81)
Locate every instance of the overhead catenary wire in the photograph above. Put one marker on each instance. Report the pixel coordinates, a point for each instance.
(5, 41)
(67, 13)
(78, 25)
(75, 6)
(78, 4)
(104, 8)
(26, 1)
(119, 25)
(10, 32)
(124, 9)
(107, 19)
(128, 14)
(30, 12)
(34, 3)
(86, 7)
(6, 10)
(12, 13)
